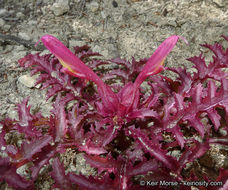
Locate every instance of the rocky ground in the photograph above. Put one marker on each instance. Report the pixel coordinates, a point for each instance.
(120, 28)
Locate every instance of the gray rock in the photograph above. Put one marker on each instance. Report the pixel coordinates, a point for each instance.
(32, 22)
(109, 52)
(3, 12)
(6, 27)
(60, 7)
(20, 15)
(168, 22)
(28, 81)
(11, 12)
(23, 169)
(219, 3)
(104, 14)
(176, 153)
(135, 34)
(39, 2)
(112, 51)
(13, 114)
(2, 23)
(73, 168)
(93, 6)
(73, 43)
(222, 132)
(118, 16)
(97, 48)
(46, 1)
(19, 54)
(19, 48)
(44, 9)
(24, 36)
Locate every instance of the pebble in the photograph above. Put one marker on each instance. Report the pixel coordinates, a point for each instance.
(19, 48)
(3, 12)
(39, 2)
(44, 10)
(223, 132)
(46, 1)
(101, 50)
(6, 27)
(11, 12)
(20, 15)
(93, 6)
(13, 114)
(60, 7)
(118, 16)
(2, 23)
(175, 153)
(73, 168)
(168, 22)
(104, 14)
(28, 81)
(19, 54)
(219, 3)
(73, 43)
(32, 22)
(24, 36)
(22, 170)
(115, 4)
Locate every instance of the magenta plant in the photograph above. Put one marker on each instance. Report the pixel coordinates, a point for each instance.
(127, 133)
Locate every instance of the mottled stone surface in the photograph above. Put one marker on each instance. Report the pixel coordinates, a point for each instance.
(130, 28)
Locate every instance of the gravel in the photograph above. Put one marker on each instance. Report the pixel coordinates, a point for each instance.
(123, 29)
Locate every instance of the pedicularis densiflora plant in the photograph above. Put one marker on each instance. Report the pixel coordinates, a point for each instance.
(127, 133)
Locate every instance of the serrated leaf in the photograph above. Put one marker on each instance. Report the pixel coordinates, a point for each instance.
(88, 183)
(143, 113)
(8, 173)
(196, 123)
(143, 168)
(43, 158)
(196, 151)
(58, 174)
(215, 117)
(91, 148)
(24, 114)
(28, 149)
(153, 148)
(102, 163)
